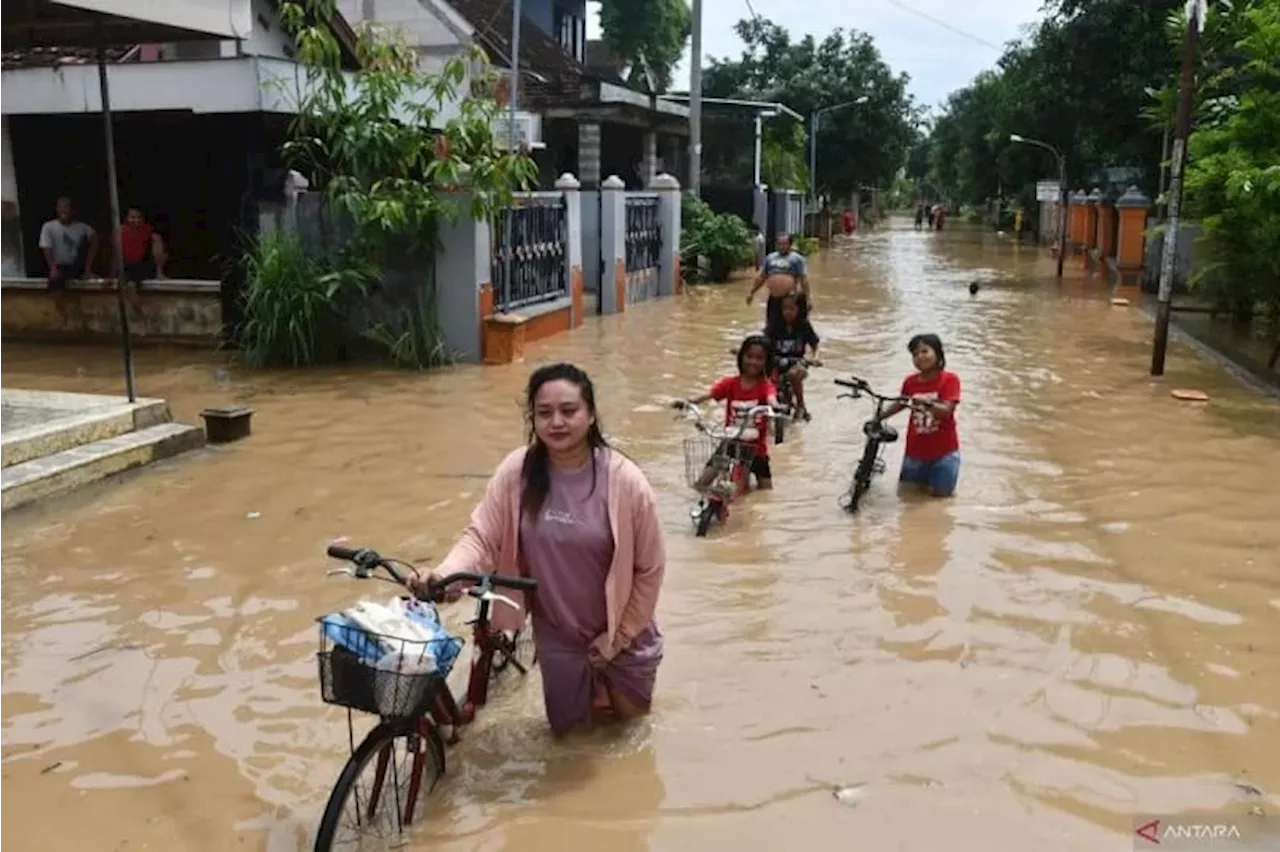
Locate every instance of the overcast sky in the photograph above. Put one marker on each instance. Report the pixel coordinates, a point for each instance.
(937, 60)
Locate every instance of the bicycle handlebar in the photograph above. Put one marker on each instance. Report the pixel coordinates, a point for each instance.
(367, 561)
(860, 386)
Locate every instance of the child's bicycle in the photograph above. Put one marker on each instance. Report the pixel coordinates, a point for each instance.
(414, 705)
(878, 434)
(717, 462)
(786, 393)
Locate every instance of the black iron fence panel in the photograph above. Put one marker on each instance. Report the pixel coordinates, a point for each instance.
(532, 246)
(643, 233)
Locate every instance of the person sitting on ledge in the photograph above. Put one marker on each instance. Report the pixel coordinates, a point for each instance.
(144, 254)
(69, 247)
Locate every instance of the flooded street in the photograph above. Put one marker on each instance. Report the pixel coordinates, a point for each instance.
(1089, 630)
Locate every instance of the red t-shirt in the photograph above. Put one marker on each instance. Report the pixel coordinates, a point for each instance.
(737, 397)
(930, 437)
(135, 243)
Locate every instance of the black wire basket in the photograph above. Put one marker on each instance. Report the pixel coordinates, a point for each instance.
(390, 677)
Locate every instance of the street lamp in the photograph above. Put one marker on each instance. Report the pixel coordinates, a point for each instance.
(1062, 193)
(813, 143)
(760, 117)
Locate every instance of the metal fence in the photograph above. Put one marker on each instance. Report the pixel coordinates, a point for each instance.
(643, 234)
(531, 240)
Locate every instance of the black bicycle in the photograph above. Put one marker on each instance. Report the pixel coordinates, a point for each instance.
(786, 393)
(878, 434)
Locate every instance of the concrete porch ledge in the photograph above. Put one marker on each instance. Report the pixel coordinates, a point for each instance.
(40, 423)
(173, 311)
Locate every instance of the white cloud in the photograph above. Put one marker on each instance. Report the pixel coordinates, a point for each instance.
(938, 60)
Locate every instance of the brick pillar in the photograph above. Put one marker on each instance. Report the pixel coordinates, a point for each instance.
(1090, 236)
(613, 246)
(1131, 242)
(1106, 238)
(668, 189)
(574, 283)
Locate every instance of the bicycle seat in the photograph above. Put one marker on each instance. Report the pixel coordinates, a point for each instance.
(747, 434)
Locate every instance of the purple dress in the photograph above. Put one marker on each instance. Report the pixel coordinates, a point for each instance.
(568, 548)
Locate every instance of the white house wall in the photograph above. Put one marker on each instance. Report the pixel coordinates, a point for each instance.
(11, 261)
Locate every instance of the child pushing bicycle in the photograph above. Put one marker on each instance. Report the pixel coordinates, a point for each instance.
(742, 392)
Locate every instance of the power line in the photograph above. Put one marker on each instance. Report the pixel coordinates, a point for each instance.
(904, 7)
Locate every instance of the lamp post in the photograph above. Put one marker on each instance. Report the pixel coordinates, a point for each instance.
(813, 143)
(760, 117)
(1062, 193)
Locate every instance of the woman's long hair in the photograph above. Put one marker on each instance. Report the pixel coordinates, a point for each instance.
(536, 472)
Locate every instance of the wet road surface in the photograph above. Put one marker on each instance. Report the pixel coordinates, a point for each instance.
(1090, 629)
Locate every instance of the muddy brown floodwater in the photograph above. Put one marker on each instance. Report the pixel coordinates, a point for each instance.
(1090, 629)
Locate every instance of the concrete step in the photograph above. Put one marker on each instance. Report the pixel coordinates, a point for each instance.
(62, 471)
(74, 429)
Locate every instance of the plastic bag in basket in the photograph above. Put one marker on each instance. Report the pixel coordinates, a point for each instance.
(370, 631)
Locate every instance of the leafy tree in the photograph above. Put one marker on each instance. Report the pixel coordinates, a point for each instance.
(1233, 170)
(373, 141)
(857, 146)
(1077, 80)
(648, 35)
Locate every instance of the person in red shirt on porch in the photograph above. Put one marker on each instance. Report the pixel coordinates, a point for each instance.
(143, 252)
(932, 454)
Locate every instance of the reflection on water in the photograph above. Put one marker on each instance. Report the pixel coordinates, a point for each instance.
(1086, 631)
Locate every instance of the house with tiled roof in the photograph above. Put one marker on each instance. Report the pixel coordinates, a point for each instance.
(575, 110)
(198, 129)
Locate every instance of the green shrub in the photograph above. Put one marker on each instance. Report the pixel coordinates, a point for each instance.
(722, 238)
(806, 245)
(291, 301)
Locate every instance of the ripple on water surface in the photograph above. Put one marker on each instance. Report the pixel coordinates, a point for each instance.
(1087, 631)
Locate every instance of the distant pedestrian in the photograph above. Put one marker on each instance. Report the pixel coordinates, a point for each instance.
(919, 216)
(69, 247)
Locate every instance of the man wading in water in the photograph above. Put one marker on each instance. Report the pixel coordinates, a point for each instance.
(785, 274)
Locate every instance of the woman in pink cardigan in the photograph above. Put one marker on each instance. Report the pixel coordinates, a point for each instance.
(580, 518)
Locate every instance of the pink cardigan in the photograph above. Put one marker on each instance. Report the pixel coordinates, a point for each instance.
(491, 543)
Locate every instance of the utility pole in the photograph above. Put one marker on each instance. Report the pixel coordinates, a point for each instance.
(1182, 129)
(695, 103)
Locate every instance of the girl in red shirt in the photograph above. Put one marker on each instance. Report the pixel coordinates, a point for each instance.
(933, 446)
(749, 388)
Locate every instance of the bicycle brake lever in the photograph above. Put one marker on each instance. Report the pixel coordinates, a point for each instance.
(350, 572)
(500, 598)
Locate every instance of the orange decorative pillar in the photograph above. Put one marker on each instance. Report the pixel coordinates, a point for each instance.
(1131, 242)
(1090, 240)
(1106, 238)
(1075, 220)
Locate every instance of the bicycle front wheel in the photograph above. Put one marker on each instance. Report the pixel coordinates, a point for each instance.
(378, 794)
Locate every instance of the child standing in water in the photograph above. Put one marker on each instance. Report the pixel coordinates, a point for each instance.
(791, 336)
(933, 445)
(749, 388)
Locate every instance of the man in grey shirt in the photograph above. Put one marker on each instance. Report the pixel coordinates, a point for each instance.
(69, 247)
(785, 272)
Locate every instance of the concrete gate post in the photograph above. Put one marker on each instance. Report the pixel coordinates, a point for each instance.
(613, 245)
(464, 282)
(569, 185)
(668, 189)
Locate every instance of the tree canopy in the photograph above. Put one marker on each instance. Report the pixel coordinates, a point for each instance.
(647, 35)
(1077, 80)
(858, 145)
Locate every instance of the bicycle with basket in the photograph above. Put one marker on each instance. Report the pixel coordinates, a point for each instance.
(717, 461)
(393, 662)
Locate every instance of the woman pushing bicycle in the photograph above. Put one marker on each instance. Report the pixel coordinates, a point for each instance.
(581, 519)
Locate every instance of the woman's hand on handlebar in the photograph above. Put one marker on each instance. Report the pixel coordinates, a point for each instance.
(427, 586)
(680, 404)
